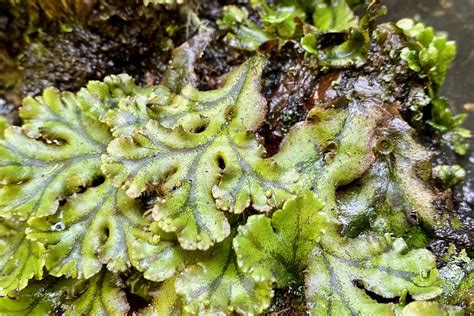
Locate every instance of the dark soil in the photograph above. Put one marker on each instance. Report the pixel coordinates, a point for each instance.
(114, 38)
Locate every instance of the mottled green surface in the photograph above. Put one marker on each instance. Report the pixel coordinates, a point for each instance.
(277, 249)
(202, 156)
(56, 151)
(119, 197)
(456, 18)
(340, 271)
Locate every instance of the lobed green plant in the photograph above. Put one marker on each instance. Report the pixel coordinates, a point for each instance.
(427, 53)
(283, 22)
(169, 196)
(287, 21)
(430, 55)
(165, 194)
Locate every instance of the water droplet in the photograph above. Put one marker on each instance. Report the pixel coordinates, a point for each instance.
(59, 226)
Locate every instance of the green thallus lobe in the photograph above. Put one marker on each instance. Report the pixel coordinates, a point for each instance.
(226, 224)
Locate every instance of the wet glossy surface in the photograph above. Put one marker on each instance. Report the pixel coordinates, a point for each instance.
(456, 17)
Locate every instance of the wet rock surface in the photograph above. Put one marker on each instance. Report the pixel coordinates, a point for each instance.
(131, 40)
(110, 38)
(456, 17)
(125, 38)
